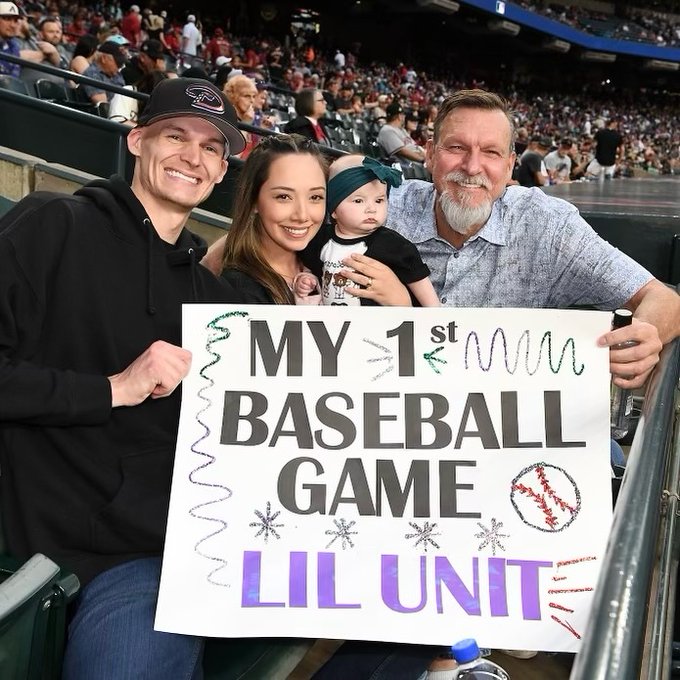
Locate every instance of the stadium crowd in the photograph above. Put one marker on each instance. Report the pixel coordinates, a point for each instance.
(358, 96)
(640, 24)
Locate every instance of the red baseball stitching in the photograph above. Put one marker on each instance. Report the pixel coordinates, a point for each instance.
(539, 499)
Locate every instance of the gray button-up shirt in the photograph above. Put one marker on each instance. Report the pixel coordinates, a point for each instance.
(534, 251)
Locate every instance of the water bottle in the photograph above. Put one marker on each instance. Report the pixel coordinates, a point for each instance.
(471, 664)
(621, 399)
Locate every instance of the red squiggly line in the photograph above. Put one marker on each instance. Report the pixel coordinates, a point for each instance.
(559, 578)
(540, 472)
(554, 605)
(566, 625)
(556, 591)
(550, 518)
(577, 560)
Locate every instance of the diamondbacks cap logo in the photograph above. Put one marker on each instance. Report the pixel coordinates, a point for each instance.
(205, 99)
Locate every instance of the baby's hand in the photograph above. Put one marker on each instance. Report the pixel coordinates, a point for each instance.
(306, 289)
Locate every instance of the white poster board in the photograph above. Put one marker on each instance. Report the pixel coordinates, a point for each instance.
(410, 475)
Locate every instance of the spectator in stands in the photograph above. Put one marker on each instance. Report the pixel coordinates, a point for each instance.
(9, 28)
(108, 60)
(50, 30)
(532, 171)
(149, 58)
(90, 360)
(83, 53)
(521, 141)
(538, 250)
(558, 162)
(265, 117)
(156, 28)
(581, 159)
(276, 65)
(241, 93)
(332, 94)
(191, 36)
(40, 51)
(131, 26)
(608, 149)
(217, 46)
(173, 39)
(394, 140)
(78, 27)
(310, 106)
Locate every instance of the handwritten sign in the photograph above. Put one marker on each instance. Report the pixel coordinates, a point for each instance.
(416, 476)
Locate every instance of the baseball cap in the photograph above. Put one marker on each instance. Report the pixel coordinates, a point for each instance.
(9, 9)
(134, 8)
(152, 48)
(118, 39)
(545, 142)
(114, 50)
(176, 97)
(393, 109)
(191, 18)
(221, 61)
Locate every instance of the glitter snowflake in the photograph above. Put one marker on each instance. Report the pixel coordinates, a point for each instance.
(387, 356)
(424, 535)
(491, 535)
(266, 523)
(342, 532)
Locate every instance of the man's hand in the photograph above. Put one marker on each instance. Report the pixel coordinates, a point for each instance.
(155, 373)
(631, 365)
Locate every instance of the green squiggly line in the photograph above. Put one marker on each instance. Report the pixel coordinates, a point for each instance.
(222, 333)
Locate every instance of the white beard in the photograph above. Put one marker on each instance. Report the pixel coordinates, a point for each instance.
(462, 218)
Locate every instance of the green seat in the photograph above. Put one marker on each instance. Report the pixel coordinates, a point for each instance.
(33, 599)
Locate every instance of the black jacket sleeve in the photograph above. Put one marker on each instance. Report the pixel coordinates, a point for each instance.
(30, 392)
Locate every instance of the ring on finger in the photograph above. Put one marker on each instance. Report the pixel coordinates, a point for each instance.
(369, 283)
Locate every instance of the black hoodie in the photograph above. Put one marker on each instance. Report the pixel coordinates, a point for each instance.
(86, 285)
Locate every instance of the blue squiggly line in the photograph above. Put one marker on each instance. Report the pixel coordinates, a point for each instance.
(218, 333)
(526, 335)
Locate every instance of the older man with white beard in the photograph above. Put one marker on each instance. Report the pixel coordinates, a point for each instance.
(492, 245)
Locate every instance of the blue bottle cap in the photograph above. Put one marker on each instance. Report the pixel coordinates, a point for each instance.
(465, 650)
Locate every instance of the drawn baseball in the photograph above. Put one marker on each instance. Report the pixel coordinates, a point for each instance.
(545, 497)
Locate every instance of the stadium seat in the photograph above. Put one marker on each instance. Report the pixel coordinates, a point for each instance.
(14, 84)
(33, 599)
(52, 90)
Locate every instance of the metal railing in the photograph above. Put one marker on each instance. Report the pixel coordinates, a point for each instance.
(628, 636)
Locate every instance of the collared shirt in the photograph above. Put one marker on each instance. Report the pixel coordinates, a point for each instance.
(93, 71)
(10, 46)
(534, 251)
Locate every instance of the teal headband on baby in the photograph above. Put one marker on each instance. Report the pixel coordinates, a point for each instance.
(348, 181)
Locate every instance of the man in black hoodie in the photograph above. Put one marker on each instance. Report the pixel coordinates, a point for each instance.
(90, 359)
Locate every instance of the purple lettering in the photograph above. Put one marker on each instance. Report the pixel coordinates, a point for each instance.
(445, 573)
(498, 595)
(326, 583)
(390, 584)
(531, 603)
(250, 590)
(297, 584)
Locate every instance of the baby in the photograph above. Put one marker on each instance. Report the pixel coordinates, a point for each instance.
(356, 200)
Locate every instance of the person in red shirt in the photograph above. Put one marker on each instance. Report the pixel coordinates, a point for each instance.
(131, 25)
(217, 46)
